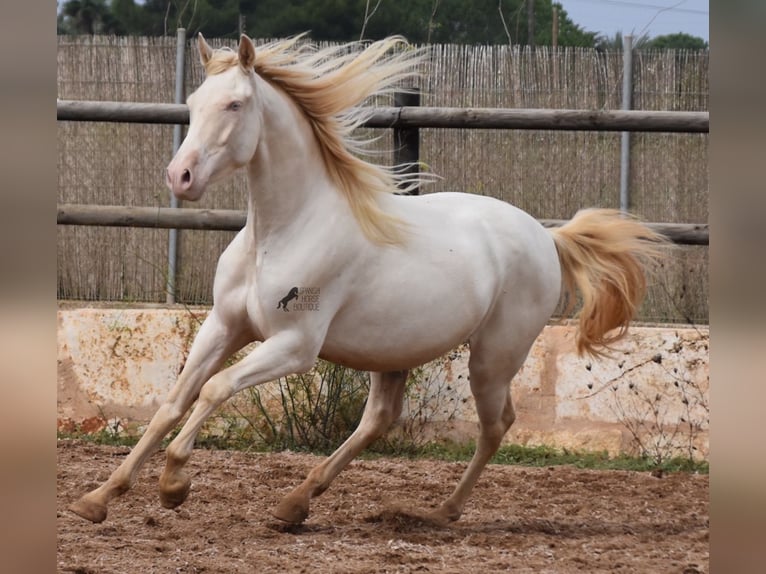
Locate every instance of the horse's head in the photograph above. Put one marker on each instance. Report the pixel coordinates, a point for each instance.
(224, 125)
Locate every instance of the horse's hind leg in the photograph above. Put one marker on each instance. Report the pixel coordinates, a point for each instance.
(384, 404)
(213, 344)
(491, 374)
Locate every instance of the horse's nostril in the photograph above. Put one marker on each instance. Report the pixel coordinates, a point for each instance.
(186, 176)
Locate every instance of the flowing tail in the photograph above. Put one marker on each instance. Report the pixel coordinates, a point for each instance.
(605, 256)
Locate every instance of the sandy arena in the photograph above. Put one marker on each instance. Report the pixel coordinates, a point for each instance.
(519, 519)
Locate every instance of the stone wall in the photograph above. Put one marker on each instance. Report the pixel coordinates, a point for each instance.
(116, 365)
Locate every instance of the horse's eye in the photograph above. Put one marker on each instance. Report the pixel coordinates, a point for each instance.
(234, 106)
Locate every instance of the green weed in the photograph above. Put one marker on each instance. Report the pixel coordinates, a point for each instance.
(514, 455)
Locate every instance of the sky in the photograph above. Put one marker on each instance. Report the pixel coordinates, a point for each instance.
(641, 16)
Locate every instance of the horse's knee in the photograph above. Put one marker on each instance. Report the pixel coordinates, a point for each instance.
(388, 414)
(378, 419)
(215, 391)
(395, 411)
(492, 432)
(170, 412)
(491, 436)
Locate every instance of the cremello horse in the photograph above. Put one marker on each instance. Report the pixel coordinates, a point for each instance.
(395, 280)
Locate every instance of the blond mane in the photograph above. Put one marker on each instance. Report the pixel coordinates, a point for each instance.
(329, 84)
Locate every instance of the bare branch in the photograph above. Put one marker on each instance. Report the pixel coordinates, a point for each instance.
(431, 20)
(367, 16)
(660, 11)
(167, 13)
(180, 14)
(502, 19)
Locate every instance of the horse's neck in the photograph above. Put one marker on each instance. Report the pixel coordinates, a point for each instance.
(288, 181)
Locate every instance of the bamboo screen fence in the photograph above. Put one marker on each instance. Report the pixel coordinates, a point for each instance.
(547, 173)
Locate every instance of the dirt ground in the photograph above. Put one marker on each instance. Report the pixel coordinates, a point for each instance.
(519, 519)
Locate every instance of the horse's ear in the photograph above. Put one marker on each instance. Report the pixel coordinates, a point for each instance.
(246, 53)
(205, 51)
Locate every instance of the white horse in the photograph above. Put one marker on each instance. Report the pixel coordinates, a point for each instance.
(394, 281)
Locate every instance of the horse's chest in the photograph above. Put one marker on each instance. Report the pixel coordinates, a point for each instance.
(277, 301)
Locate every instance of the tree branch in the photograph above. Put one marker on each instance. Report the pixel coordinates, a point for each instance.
(367, 16)
(431, 20)
(502, 19)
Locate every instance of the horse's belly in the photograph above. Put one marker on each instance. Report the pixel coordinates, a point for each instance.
(372, 350)
(399, 325)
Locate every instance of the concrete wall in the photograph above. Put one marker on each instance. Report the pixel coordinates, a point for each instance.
(115, 366)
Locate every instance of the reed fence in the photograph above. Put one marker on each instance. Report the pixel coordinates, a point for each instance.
(550, 174)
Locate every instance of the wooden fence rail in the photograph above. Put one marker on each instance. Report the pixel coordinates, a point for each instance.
(234, 220)
(424, 117)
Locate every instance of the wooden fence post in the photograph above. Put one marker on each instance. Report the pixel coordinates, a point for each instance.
(407, 140)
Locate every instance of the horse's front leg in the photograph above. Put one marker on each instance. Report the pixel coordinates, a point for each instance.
(280, 355)
(384, 405)
(214, 343)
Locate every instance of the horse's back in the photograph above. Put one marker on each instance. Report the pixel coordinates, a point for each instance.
(507, 249)
(492, 232)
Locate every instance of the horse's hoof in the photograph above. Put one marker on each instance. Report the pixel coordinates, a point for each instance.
(173, 493)
(290, 512)
(89, 510)
(444, 515)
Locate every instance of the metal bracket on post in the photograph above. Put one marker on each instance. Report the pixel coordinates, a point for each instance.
(407, 140)
(170, 285)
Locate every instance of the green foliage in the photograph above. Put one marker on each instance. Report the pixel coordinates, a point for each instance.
(570, 34)
(427, 397)
(615, 43)
(105, 436)
(215, 18)
(547, 456)
(679, 41)
(318, 410)
(420, 21)
(538, 456)
(535, 456)
(315, 411)
(87, 17)
(128, 14)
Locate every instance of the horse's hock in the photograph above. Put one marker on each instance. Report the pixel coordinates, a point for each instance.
(115, 366)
